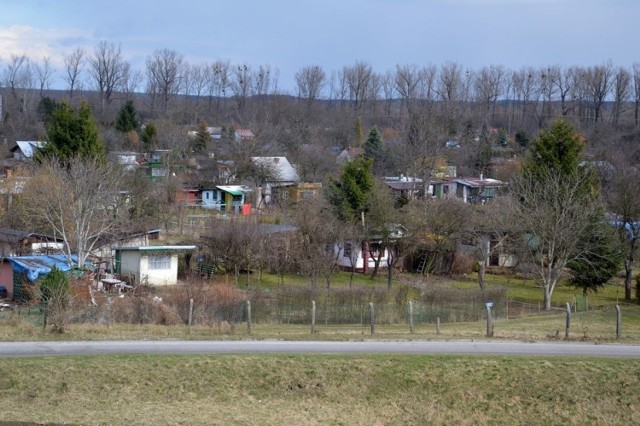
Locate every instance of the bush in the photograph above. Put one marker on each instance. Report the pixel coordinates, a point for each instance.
(55, 297)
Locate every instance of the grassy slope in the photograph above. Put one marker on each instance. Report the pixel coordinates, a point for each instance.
(319, 390)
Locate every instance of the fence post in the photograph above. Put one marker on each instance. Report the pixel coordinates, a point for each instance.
(568, 324)
(313, 317)
(411, 326)
(249, 316)
(438, 325)
(108, 311)
(618, 322)
(372, 314)
(190, 314)
(489, 321)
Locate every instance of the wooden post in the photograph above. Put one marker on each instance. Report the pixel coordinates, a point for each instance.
(190, 314)
(489, 322)
(411, 325)
(372, 314)
(313, 317)
(46, 314)
(108, 311)
(249, 316)
(438, 325)
(568, 322)
(618, 322)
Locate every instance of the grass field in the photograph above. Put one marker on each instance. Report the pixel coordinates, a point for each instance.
(309, 390)
(349, 390)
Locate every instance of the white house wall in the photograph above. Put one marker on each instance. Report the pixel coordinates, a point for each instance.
(345, 262)
(162, 276)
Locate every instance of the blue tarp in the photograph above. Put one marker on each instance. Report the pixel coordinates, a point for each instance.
(38, 265)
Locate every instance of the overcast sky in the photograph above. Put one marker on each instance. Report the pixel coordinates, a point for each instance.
(289, 34)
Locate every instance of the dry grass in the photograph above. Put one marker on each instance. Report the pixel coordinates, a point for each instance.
(596, 326)
(371, 390)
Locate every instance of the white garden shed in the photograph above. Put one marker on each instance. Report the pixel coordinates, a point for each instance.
(156, 265)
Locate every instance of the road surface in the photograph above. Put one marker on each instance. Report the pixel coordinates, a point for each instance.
(168, 347)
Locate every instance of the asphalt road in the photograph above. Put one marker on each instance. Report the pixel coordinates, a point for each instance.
(21, 349)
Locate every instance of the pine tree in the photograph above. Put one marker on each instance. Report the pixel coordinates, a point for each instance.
(359, 133)
(127, 119)
(349, 195)
(149, 136)
(601, 260)
(373, 145)
(72, 134)
(558, 149)
(202, 137)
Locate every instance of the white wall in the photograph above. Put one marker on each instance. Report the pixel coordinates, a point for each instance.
(159, 277)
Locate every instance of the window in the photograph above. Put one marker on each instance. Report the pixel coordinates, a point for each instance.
(160, 262)
(306, 195)
(347, 250)
(285, 195)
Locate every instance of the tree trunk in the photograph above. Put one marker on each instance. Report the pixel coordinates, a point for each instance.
(481, 271)
(546, 288)
(628, 278)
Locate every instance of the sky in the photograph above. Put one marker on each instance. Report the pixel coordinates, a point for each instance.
(290, 34)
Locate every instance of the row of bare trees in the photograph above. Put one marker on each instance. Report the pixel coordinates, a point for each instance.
(539, 92)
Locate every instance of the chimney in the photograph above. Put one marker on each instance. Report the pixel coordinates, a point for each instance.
(276, 160)
(481, 176)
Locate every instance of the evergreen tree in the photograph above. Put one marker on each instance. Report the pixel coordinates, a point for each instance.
(55, 292)
(601, 260)
(522, 139)
(359, 133)
(72, 134)
(503, 138)
(202, 137)
(149, 136)
(373, 145)
(349, 195)
(127, 119)
(558, 149)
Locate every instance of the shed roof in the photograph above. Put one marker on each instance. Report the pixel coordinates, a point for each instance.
(28, 148)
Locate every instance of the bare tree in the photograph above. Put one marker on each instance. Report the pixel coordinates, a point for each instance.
(18, 77)
(599, 80)
(623, 201)
(261, 81)
(107, 69)
(561, 79)
(636, 92)
(320, 232)
(74, 64)
(164, 75)
(219, 81)
(43, 72)
(131, 81)
(408, 80)
(79, 202)
(310, 80)
(553, 210)
(488, 84)
(621, 92)
(488, 233)
(233, 245)
(241, 85)
(358, 79)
